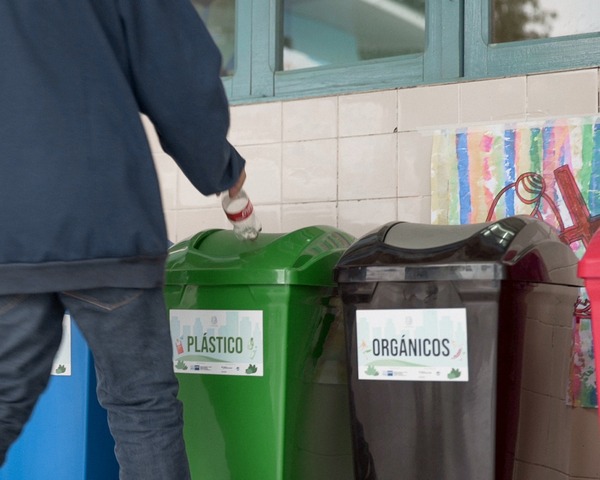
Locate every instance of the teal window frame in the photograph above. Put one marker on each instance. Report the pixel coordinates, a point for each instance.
(457, 49)
(483, 60)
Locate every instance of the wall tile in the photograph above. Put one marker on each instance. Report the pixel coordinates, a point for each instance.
(269, 217)
(263, 170)
(263, 181)
(255, 124)
(171, 223)
(309, 171)
(167, 171)
(300, 215)
(563, 93)
(415, 209)
(368, 113)
(190, 222)
(189, 197)
(310, 119)
(428, 107)
(503, 99)
(367, 167)
(155, 146)
(414, 164)
(359, 217)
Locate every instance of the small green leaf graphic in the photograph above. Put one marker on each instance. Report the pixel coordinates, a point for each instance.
(60, 369)
(372, 371)
(454, 373)
(180, 365)
(251, 369)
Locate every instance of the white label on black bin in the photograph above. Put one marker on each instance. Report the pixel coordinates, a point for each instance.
(412, 345)
(217, 342)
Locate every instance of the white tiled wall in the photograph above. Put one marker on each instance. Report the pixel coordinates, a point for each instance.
(359, 161)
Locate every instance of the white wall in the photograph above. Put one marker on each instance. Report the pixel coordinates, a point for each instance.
(358, 161)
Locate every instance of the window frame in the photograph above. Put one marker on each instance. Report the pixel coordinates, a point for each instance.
(484, 60)
(457, 49)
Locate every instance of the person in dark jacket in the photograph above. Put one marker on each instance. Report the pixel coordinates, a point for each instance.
(82, 226)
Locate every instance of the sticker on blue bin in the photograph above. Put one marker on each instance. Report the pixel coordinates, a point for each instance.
(62, 360)
(217, 342)
(412, 345)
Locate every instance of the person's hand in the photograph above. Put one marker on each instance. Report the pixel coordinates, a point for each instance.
(233, 191)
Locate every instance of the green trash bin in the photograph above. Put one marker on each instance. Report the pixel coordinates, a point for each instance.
(259, 352)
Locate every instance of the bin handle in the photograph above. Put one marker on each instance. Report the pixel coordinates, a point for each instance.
(200, 237)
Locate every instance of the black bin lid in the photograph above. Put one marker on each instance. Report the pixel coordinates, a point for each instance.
(518, 248)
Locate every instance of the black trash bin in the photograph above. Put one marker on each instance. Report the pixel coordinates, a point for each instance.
(435, 318)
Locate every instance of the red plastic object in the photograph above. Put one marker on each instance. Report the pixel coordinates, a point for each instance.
(589, 270)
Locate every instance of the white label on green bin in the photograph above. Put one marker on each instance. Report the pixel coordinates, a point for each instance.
(62, 360)
(217, 342)
(412, 345)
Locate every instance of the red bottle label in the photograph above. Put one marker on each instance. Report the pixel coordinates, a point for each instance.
(241, 215)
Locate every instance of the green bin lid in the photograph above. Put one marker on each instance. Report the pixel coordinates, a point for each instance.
(216, 257)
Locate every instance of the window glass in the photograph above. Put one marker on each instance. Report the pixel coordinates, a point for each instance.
(219, 17)
(528, 19)
(326, 32)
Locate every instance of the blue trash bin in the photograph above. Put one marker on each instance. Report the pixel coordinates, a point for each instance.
(67, 437)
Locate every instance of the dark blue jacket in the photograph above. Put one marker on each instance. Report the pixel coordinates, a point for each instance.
(79, 198)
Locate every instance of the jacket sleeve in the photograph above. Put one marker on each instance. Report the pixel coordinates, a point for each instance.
(174, 69)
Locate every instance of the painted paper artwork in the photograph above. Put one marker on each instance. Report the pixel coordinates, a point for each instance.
(550, 170)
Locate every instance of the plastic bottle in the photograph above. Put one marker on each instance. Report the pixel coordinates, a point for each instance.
(240, 212)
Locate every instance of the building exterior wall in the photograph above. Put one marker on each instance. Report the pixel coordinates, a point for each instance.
(357, 161)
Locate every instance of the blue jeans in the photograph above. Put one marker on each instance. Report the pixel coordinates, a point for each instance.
(128, 334)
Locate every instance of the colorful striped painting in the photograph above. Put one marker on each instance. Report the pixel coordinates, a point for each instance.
(548, 169)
